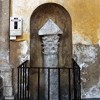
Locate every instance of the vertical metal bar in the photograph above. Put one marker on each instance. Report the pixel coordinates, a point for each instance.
(18, 86)
(74, 83)
(38, 83)
(28, 83)
(59, 84)
(69, 83)
(25, 81)
(20, 81)
(48, 83)
(79, 84)
(12, 78)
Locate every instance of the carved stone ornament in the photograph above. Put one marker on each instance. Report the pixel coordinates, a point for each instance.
(50, 38)
(50, 44)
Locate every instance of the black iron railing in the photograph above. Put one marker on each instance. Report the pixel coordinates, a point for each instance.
(23, 79)
(71, 78)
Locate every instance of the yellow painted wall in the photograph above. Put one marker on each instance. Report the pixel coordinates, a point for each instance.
(85, 16)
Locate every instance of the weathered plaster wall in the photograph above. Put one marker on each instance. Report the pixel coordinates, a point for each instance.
(86, 36)
(5, 68)
(88, 58)
(4, 29)
(84, 14)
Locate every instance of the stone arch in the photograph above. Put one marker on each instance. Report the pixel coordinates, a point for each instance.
(62, 18)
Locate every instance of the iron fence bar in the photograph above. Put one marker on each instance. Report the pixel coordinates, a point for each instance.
(74, 77)
(59, 84)
(38, 83)
(69, 84)
(25, 81)
(48, 84)
(18, 86)
(79, 84)
(20, 81)
(28, 83)
(74, 83)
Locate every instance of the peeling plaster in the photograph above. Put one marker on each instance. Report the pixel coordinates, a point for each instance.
(79, 38)
(83, 65)
(84, 54)
(24, 49)
(99, 43)
(87, 57)
(98, 34)
(93, 92)
(4, 55)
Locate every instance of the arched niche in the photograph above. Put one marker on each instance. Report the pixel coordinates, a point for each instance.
(61, 17)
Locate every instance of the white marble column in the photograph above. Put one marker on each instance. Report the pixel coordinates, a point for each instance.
(50, 40)
(50, 51)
